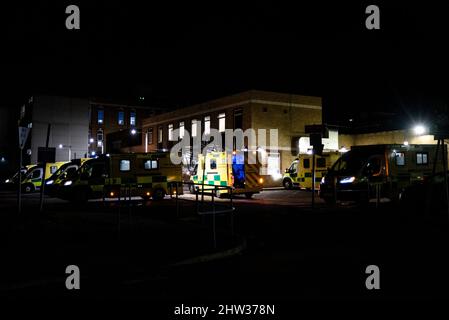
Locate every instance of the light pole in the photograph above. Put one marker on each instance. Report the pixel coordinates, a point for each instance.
(62, 146)
(134, 131)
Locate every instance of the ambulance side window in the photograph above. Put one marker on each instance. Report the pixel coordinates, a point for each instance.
(151, 164)
(125, 165)
(53, 169)
(213, 164)
(306, 163)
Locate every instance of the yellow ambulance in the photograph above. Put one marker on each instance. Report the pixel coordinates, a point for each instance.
(300, 174)
(219, 169)
(147, 175)
(32, 180)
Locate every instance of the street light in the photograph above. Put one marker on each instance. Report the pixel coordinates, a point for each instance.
(419, 129)
(134, 131)
(62, 146)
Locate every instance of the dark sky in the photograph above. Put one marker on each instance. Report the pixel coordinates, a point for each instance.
(178, 54)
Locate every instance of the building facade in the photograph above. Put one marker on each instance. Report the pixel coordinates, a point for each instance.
(116, 121)
(79, 126)
(287, 114)
(69, 126)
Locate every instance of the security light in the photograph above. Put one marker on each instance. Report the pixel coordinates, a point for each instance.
(419, 129)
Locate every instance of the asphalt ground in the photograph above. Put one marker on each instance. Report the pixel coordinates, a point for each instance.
(292, 253)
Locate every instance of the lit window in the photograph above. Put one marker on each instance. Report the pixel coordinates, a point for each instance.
(100, 137)
(422, 158)
(222, 122)
(159, 135)
(207, 125)
(273, 164)
(121, 118)
(194, 127)
(150, 164)
(132, 119)
(150, 136)
(100, 116)
(125, 165)
(170, 132)
(400, 158)
(181, 129)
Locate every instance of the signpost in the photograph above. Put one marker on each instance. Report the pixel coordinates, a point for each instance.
(23, 136)
(316, 132)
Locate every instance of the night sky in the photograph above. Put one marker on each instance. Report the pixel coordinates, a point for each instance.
(178, 54)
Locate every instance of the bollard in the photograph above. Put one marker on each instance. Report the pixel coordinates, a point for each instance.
(213, 219)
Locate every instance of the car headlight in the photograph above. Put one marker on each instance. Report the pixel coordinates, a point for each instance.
(323, 180)
(347, 180)
(7, 181)
(68, 183)
(49, 182)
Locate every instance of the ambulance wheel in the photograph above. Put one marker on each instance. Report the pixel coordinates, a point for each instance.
(287, 184)
(249, 195)
(158, 194)
(28, 188)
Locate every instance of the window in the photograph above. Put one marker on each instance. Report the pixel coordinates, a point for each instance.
(125, 165)
(36, 174)
(194, 127)
(150, 136)
(159, 135)
(400, 158)
(306, 163)
(293, 168)
(100, 115)
(121, 118)
(207, 125)
(53, 169)
(422, 158)
(170, 132)
(97, 171)
(273, 164)
(213, 164)
(100, 137)
(151, 164)
(238, 119)
(181, 129)
(321, 162)
(222, 122)
(132, 118)
(374, 166)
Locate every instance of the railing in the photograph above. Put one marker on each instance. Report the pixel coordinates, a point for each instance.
(208, 190)
(203, 208)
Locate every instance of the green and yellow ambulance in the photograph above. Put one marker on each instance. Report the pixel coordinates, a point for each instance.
(224, 170)
(147, 175)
